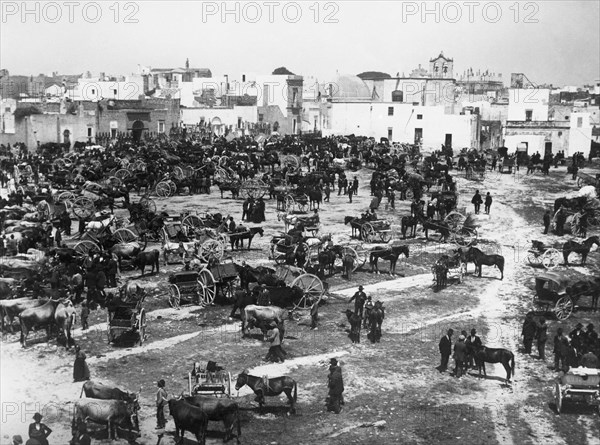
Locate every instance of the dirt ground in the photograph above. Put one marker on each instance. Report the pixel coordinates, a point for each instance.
(394, 382)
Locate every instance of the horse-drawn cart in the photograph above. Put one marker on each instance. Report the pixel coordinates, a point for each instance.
(312, 287)
(202, 287)
(214, 383)
(539, 254)
(378, 231)
(578, 384)
(127, 317)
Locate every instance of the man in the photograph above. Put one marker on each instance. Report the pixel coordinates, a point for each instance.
(161, 402)
(391, 198)
(350, 192)
(111, 270)
(85, 313)
(476, 201)
(231, 225)
(528, 332)
(355, 185)
(473, 343)
(547, 219)
(38, 431)
(314, 315)
(445, 347)
(335, 384)
(327, 192)
(264, 298)
(460, 355)
(368, 308)
(561, 343)
(591, 336)
(273, 335)
(488, 203)
(575, 169)
(542, 337)
(81, 437)
(561, 218)
(359, 301)
(577, 337)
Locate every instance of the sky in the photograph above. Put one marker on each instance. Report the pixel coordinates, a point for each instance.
(554, 42)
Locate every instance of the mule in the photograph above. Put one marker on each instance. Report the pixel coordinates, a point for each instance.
(390, 254)
(480, 259)
(582, 249)
(485, 355)
(264, 387)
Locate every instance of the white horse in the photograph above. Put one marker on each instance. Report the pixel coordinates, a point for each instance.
(182, 249)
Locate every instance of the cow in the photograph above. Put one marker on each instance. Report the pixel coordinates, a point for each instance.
(113, 413)
(38, 316)
(10, 309)
(261, 317)
(355, 322)
(144, 259)
(94, 390)
(219, 409)
(188, 418)
(64, 316)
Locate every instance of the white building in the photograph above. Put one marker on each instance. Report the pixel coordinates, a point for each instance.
(7, 115)
(220, 119)
(94, 89)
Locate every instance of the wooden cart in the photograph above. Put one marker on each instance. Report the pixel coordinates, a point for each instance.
(127, 317)
(578, 385)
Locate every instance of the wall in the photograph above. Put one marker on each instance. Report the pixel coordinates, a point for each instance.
(372, 120)
(7, 115)
(580, 136)
(225, 116)
(521, 100)
(93, 89)
(537, 134)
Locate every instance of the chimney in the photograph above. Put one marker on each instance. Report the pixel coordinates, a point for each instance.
(243, 77)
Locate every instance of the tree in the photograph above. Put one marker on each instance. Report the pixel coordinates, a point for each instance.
(282, 70)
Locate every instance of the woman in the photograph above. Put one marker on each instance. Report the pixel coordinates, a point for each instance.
(81, 372)
(38, 431)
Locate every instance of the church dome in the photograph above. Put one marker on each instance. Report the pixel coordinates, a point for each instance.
(347, 87)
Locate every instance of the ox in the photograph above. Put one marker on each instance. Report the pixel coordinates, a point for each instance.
(39, 316)
(113, 413)
(188, 418)
(144, 259)
(219, 410)
(12, 308)
(260, 317)
(64, 316)
(93, 390)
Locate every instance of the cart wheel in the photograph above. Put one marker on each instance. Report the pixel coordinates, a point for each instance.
(173, 187)
(551, 258)
(211, 249)
(163, 189)
(312, 288)
(558, 398)
(83, 207)
(142, 327)
(174, 297)
(362, 255)
(44, 209)
(564, 308)
(534, 259)
(113, 181)
(280, 250)
(454, 220)
(348, 251)
(367, 232)
(66, 196)
(465, 236)
(122, 173)
(84, 247)
(178, 173)
(303, 203)
(192, 224)
(124, 236)
(208, 286)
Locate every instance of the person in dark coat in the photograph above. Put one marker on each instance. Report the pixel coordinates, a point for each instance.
(81, 372)
(542, 337)
(81, 437)
(528, 332)
(488, 203)
(561, 218)
(445, 347)
(359, 299)
(476, 201)
(473, 343)
(561, 344)
(460, 355)
(577, 337)
(39, 431)
(547, 219)
(335, 385)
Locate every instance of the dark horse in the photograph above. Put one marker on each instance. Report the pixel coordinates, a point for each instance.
(269, 387)
(260, 275)
(237, 238)
(409, 222)
(327, 259)
(355, 224)
(390, 254)
(376, 316)
(573, 203)
(582, 249)
(438, 226)
(479, 258)
(489, 355)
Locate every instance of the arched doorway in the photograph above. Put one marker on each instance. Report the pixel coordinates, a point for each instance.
(217, 126)
(67, 137)
(137, 130)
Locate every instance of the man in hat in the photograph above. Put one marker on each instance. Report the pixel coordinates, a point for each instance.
(17, 440)
(81, 436)
(368, 308)
(542, 336)
(161, 402)
(335, 384)
(460, 355)
(445, 347)
(39, 431)
(359, 301)
(591, 337)
(473, 343)
(528, 332)
(561, 345)
(264, 298)
(577, 337)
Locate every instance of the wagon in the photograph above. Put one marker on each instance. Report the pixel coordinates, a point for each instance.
(588, 179)
(192, 287)
(312, 287)
(217, 383)
(377, 231)
(559, 293)
(463, 229)
(359, 255)
(578, 385)
(539, 254)
(127, 317)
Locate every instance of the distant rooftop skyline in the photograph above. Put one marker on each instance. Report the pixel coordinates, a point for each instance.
(554, 42)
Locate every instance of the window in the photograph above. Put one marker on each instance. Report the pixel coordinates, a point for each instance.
(528, 115)
(93, 91)
(89, 132)
(239, 122)
(579, 122)
(390, 111)
(390, 133)
(294, 96)
(559, 133)
(260, 117)
(115, 92)
(7, 110)
(397, 96)
(566, 118)
(419, 116)
(161, 126)
(113, 133)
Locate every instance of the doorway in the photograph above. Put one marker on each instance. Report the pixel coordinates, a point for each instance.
(418, 135)
(67, 137)
(137, 130)
(448, 141)
(547, 149)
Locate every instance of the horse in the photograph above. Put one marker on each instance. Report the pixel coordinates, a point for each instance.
(574, 203)
(263, 386)
(260, 275)
(327, 258)
(355, 225)
(355, 323)
(438, 226)
(237, 238)
(315, 198)
(489, 355)
(376, 316)
(390, 254)
(582, 249)
(480, 259)
(409, 222)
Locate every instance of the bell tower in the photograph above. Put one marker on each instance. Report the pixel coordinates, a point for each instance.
(441, 67)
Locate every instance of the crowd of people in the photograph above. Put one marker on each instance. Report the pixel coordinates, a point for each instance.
(463, 351)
